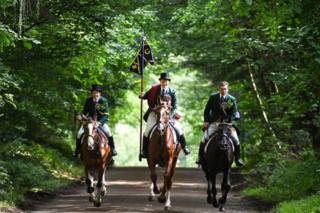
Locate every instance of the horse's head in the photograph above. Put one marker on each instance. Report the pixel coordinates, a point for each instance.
(162, 111)
(223, 131)
(89, 126)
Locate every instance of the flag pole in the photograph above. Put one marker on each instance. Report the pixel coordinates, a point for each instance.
(141, 67)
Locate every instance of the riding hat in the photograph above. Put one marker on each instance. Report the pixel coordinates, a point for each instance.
(96, 87)
(164, 76)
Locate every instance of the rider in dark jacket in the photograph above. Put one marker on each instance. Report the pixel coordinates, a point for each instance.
(96, 105)
(221, 107)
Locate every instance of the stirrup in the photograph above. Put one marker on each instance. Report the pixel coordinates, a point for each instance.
(186, 150)
(76, 153)
(239, 162)
(198, 162)
(113, 152)
(143, 154)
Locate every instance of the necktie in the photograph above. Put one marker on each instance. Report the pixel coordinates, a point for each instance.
(162, 92)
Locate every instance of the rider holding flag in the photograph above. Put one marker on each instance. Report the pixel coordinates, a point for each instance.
(150, 116)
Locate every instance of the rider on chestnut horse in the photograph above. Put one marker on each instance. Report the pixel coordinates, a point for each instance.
(150, 116)
(96, 106)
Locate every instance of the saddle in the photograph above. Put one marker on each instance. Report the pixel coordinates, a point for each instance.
(210, 140)
(175, 133)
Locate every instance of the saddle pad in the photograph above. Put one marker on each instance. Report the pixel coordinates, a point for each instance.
(172, 129)
(210, 141)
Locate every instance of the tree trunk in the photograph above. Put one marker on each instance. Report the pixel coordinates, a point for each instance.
(259, 100)
(315, 136)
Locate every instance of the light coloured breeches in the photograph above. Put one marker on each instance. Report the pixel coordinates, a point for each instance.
(152, 120)
(214, 127)
(105, 128)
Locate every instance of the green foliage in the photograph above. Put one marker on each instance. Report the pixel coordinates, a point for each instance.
(308, 204)
(288, 179)
(28, 166)
(6, 184)
(65, 46)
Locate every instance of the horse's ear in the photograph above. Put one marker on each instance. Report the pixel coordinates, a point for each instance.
(78, 117)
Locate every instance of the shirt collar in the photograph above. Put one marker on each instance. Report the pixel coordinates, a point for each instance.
(223, 96)
(94, 100)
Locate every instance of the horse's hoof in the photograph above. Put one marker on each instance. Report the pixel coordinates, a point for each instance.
(91, 199)
(97, 204)
(156, 191)
(209, 200)
(167, 208)
(221, 208)
(215, 204)
(162, 199)
(151, 198)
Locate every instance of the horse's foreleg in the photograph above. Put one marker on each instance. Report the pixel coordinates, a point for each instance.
(225, 187)
(152, 194)
(153, 176)
(167, 205)
(168, 200)
(103, 187)
(214, 189)
(166, 182)
(209, 188)
(100, 186)
(89, 182)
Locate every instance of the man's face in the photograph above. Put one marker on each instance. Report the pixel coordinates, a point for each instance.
(164, 83)
(223, 90)
(96, 95)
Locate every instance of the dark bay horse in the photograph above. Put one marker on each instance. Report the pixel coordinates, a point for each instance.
(162, 148)
(96, 157)
(218, 158)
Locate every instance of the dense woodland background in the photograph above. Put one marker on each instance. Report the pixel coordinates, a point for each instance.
(51, 51)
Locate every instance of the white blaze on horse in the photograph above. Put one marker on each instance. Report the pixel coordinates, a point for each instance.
(96, 156)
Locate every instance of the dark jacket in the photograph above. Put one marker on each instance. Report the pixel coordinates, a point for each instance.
(99, 109)
(170, 91)
(214, 112)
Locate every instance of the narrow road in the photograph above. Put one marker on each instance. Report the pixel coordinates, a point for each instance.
(128, 190)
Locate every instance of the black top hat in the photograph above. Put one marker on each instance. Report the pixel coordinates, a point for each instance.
(164, 76)
(96, 87)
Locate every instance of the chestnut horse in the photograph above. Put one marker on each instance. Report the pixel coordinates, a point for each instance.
(218, 157)
(96, 156)
(162, 149)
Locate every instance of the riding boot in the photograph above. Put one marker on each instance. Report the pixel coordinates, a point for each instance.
(237, 157)
(144, 152)
(113, 149)
(200, 153)
(77, 150)
(184, 145)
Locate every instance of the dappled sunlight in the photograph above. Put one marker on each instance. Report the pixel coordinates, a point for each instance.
(129, 183)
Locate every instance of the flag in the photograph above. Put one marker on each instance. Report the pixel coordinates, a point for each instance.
(146, 53)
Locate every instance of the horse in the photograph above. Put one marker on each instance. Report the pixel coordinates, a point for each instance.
(218, 157)
(96, 156)
(162, 148)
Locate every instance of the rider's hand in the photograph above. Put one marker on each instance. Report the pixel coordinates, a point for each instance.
(205, 125)
(141, 95)
(176, 116)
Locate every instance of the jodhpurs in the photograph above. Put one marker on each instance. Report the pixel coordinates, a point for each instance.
(105, 128)
(152, 120)
(213, 127)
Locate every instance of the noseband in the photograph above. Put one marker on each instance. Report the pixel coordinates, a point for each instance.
(223, 130)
